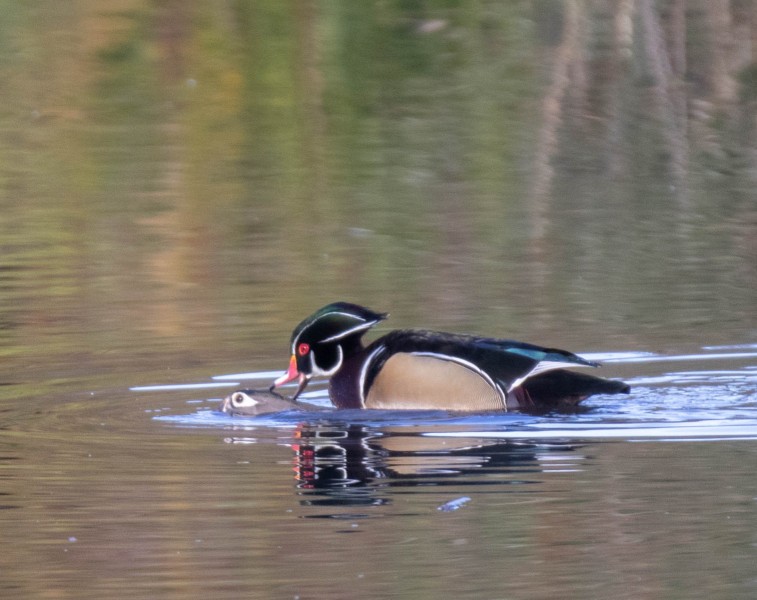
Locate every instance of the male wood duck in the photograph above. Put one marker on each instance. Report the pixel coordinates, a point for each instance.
(419, 369)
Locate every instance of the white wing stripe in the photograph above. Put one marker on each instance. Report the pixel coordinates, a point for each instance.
(541, 367)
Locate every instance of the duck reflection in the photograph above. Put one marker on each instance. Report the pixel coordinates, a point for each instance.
(356, 465)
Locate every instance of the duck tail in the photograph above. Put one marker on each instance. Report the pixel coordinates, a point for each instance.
(563, 388)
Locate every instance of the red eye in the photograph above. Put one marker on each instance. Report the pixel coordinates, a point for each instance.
(303, 349)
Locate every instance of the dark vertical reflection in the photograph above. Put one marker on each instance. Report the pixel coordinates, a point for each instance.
(669, 101)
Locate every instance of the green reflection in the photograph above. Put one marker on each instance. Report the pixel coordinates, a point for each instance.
(192, 179)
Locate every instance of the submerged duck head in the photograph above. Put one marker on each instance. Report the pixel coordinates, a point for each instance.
(318, 343)
(258, 402)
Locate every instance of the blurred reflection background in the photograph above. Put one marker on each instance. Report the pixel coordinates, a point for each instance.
(183, 182)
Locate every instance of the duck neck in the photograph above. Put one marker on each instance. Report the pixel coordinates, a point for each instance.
(351, 346)
(344, 387)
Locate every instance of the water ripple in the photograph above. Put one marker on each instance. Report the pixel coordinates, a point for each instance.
(692, 404)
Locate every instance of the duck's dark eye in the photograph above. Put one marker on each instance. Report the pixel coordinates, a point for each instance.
(303, 349)
(242, 399)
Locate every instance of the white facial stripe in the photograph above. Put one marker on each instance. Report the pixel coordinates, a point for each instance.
(472, 367)
(364, 325)
(356, 328)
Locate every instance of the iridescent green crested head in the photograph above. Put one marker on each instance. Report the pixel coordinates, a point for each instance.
(334, 322)
(316, 344)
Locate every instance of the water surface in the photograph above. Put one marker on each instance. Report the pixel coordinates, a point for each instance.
(181, 183)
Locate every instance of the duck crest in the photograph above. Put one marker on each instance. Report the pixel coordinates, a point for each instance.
(335, 322)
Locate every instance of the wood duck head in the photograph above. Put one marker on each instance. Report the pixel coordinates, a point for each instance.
(321, 342)
(260, 402)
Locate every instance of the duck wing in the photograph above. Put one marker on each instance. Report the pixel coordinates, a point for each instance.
(507, 362)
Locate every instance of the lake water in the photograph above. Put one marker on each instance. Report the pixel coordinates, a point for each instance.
(182, 183)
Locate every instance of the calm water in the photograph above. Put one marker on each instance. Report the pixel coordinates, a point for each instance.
(181, 183)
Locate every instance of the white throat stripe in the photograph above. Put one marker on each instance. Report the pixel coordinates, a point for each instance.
(318, 371)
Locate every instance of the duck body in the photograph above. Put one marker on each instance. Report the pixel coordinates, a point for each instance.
(420, 369)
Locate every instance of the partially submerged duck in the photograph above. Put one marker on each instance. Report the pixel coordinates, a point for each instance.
(429, 370)
(260, 402)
